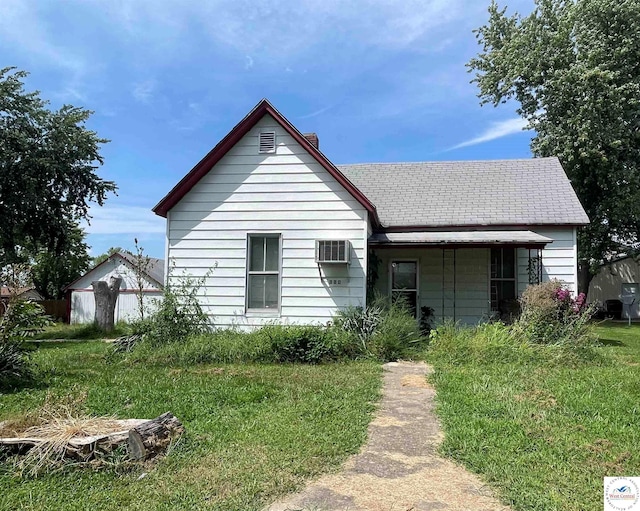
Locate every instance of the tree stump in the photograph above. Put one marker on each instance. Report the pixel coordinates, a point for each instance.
(106, 295)
(151, 437)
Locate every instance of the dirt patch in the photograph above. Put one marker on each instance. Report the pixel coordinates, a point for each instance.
(399, 468)
(416, 380)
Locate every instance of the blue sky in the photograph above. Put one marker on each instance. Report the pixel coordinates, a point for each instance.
(377, 80)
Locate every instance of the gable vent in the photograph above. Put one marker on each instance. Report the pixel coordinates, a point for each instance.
(267, 142)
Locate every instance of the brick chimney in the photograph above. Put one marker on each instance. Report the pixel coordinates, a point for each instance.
(313, 138)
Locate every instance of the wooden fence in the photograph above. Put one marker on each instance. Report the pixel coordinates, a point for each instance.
(57, 309)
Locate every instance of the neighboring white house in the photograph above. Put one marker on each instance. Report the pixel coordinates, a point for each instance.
(82, 304)
(291, 236)
(614, 281)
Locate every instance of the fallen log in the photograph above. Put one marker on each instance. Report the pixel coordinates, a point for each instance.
(144, 439)
(151, 437)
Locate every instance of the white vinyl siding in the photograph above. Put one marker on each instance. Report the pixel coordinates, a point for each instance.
(558, 258)
(286, 192)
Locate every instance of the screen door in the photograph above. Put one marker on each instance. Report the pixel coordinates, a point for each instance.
(404, 283)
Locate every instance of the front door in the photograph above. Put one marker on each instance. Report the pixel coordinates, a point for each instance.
(404, 283)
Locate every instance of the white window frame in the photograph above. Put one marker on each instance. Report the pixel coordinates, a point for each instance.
(262, 311)
(417, 289)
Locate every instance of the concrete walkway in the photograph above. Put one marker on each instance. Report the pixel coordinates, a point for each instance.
(398, 469)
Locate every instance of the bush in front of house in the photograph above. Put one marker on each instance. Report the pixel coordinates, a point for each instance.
(178, 331)
(553, 327)
(175, 318)
(384, 329)
(311, 344)
(551, 315)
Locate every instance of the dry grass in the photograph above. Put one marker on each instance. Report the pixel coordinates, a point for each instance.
(54, 428)
(416, 380)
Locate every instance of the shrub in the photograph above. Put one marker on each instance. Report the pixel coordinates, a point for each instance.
(550, 315)
(305, 343)
(177, 316)
(361, 322)
(22, 320)
(384, 329)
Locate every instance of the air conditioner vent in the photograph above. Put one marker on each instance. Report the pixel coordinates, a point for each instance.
(267, 142)
(333, 251)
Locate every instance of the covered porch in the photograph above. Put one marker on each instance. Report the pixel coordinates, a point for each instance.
(468, 276)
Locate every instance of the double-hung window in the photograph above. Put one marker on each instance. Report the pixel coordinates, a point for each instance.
(503, 277)
(263, 272)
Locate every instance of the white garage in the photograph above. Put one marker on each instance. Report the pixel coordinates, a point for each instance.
(80, 292)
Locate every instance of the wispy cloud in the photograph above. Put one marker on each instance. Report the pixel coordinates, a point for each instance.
(143, 91)
(316, 113)
(133, 220)
(272, 29)
(495, 131)
(22, 26)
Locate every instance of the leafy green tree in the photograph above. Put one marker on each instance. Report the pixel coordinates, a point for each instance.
(48, 164)
(103, 257)
(52, 272)
(573, 68)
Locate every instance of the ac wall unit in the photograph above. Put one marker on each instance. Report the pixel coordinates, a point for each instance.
(333, 251)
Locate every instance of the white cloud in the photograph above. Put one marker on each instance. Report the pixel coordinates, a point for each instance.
(494, 131)
(131, 220)
(143, 91)
(248, 62)
(279, 29)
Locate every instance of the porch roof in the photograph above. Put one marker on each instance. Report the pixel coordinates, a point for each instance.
(462, 238)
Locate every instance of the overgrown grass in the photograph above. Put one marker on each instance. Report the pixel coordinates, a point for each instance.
(542, 429)
(87, 332)
(254, 431)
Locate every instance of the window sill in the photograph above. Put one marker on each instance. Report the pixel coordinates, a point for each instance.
(262, 313)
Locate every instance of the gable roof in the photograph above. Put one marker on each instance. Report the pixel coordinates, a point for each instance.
(155, 272)
(242, 128)
(469, 193)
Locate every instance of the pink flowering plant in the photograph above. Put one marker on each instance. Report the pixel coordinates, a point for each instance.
(551, 314)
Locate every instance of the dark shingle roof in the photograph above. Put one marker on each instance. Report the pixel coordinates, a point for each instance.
(502, 192)
(155, 269)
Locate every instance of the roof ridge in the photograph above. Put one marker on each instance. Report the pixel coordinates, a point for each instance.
(503, 160)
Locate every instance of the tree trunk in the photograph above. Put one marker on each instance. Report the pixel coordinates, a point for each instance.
(106, 295)
(584, 277)
(152, 437)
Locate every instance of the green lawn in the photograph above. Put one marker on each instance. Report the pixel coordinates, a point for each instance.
(254, 431)
(545, 435)
(88, 331)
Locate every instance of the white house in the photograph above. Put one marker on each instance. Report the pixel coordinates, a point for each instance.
(82, 304)
(293, 237)
(617, 280)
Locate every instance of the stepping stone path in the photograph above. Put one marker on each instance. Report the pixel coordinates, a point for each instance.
(399, 468)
